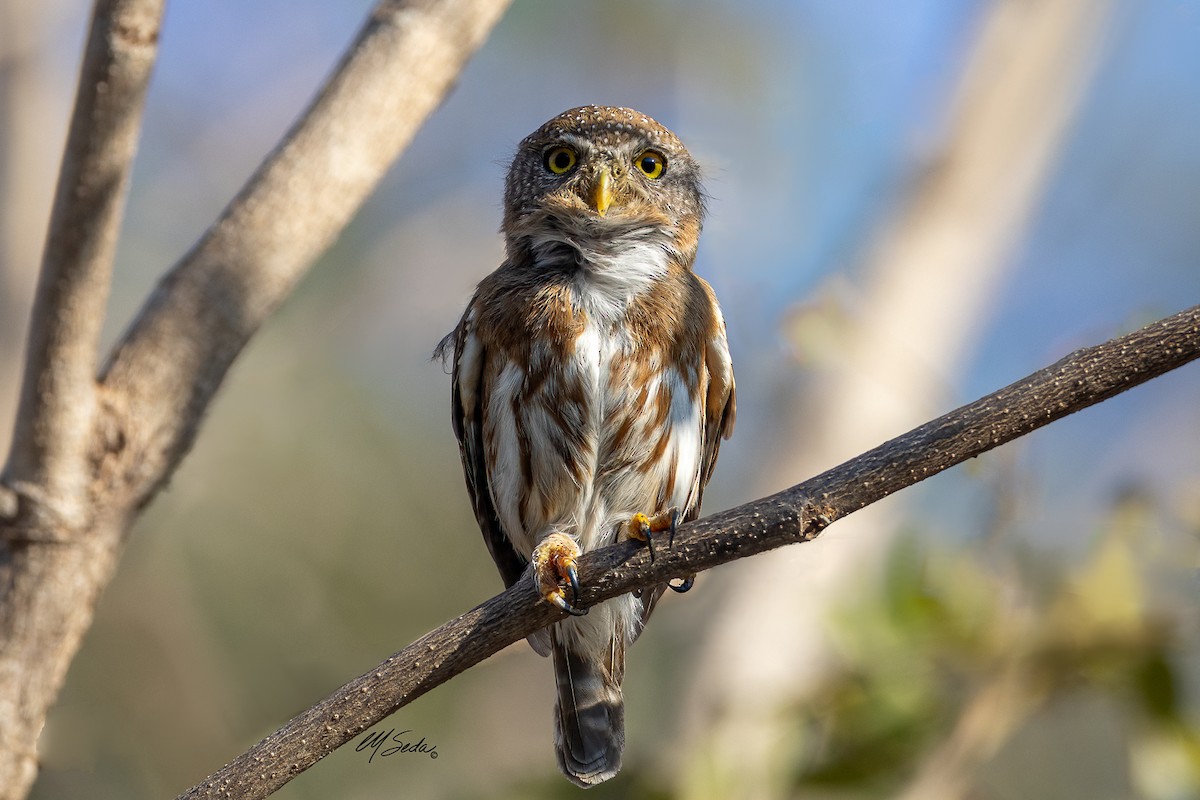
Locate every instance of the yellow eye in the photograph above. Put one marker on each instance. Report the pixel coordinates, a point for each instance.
(652, 164)
(560, 160)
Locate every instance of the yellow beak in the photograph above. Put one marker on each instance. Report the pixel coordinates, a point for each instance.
(602, 195)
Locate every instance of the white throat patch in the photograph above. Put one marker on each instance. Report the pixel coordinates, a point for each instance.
(613, 268)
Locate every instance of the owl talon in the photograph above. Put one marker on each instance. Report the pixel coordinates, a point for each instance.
(641, 527)
(573, 579)
(554, 569)
(558, 601)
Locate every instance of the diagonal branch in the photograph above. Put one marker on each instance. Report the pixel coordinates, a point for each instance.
(163, 375)
(58, 394)
(798, 514)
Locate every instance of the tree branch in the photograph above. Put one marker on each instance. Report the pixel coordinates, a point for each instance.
(58, 397)
(164, 373)
(798, 514)
(47, 593)
(90, 456)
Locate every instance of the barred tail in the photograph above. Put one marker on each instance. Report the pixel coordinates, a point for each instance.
(589, 718)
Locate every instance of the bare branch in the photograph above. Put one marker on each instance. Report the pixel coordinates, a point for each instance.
(58, 397)
(107, 447)
(163, 375)
(798, 514)
(46, 598)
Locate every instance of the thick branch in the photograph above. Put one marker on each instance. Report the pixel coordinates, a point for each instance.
(81, 472)
(164, 373)
(58, 396)
(798, 514)
(47, 593)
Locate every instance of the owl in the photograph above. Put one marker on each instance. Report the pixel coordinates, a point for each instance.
(592, 386)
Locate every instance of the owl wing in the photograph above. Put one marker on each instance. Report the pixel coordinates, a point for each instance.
(470, 356)
(718, 414)
(720, 406)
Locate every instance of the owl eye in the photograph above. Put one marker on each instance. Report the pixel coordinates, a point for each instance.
(560, 160)
(652, 164)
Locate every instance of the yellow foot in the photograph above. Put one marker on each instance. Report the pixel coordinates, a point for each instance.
(641, 527)
(554, 569)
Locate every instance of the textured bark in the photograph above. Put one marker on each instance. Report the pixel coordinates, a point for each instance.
(798, 514)
(50, 570)
(58, 399)
(87, 454)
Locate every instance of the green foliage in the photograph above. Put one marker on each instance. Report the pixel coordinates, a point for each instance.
(957, 653)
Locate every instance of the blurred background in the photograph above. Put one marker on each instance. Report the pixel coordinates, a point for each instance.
(913, 204)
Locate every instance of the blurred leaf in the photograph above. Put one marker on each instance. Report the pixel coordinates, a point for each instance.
(944, 635)
(1156, 687)
(1165, 764)
(866, 732)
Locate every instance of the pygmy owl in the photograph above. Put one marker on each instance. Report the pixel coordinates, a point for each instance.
(592, 386)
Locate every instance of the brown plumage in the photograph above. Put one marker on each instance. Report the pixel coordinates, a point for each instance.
(591, 382)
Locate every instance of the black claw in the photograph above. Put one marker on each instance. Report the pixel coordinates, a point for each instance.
(687, 584)
(573, 579)
(650, 544)
(567, 607)
(674, 527)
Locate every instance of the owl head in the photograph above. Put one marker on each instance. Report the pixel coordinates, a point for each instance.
(597, 177)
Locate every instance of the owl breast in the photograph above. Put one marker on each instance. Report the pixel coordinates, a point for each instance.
(588, 433)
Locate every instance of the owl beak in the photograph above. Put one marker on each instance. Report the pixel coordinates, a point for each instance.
(602, 194)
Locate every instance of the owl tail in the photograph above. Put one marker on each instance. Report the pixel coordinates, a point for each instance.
(589, 718)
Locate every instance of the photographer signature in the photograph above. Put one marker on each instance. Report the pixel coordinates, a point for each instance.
(390, 742)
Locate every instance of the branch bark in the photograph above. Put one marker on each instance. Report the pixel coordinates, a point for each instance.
(89, 455)
(47, 591)
(58, 394)
(163, 374)
(798, 514)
